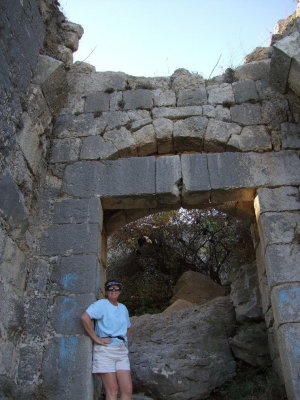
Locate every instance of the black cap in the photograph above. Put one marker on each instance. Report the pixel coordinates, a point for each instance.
(112, 283)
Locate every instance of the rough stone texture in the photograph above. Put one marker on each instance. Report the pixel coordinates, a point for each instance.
(145, 140)
(217, 135)
(246, 114)
(123, 140)
(172, 354)
(189, 133)
(98, 101)
(139, 98)
(163, 128)
(245, 294)
(196, 288)
(177, 113)
(164, 98)
(278, 199)
(222, 94)
(286, 302)
(250, 344)
(183, 79)
(65, 379)
(192, 97)
(290, 136)
(179, 304)
(244, 91)
(251, 138)
(70, 239)
(65, 150)
(95, 148)
(254, 70)
(168, 179)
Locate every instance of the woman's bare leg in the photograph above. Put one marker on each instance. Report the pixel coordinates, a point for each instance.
(125, 384)
(110, 383)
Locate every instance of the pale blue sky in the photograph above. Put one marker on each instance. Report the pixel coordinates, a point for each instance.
(155, 37)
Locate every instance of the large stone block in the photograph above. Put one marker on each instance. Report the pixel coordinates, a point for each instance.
(66, 313)
(65, 150)
(286, 303)
(188, 134)
(89, 81)
(65, 380)
(221, 94)
(192, 97)
(196, 183)
(289, 347)
(254, 70)
(145, 140)
(12, 203)
(39, 276)
(163, 128)
(139, 98)
(252, 138)
(176, 113)
(244, 91)
(290, 136)
(246, 114)
(96, 148)
(78, 125)
(133, 177)
(164, 98)
(168, 179)
(78, 211)
(76, 274)
(218, 133)
(123, 140)
(70, 239)
(279, 228)
(294, 74)
(36, 317)
(274, 112)
(97, 101)
(282, 263)
(8, 358)
(285, 198)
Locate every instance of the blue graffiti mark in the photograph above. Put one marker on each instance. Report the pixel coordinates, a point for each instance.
(289, 297)
(69, 280)
(67, 351)
(68, 308)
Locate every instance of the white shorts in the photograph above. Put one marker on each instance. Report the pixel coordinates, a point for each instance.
(110, 358)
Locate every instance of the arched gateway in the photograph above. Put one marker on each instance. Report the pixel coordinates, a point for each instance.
(122, 147)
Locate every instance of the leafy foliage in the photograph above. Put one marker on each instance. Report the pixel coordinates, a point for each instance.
(150, 254)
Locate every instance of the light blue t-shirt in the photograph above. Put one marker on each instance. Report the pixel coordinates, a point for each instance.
(110, 320)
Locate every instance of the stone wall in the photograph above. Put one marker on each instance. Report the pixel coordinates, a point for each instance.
(85, 152)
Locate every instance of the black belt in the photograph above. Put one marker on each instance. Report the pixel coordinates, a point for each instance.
(118, 337)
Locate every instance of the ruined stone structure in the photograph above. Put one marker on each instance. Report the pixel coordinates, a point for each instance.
(85, 152)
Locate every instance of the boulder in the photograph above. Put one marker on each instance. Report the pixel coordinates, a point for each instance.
(183, 355)
(179, 305)
(196, 288)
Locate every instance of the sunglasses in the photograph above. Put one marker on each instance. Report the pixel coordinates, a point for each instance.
(113, 289)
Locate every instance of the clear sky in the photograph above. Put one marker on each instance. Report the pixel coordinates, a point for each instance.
(155, 37)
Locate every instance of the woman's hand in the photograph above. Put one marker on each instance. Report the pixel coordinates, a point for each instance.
(102, 341)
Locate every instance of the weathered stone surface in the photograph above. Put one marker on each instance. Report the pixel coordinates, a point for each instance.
(36, 318)
(114, 178)
(254, 70)
(164, 98)
(195, 176)
(286, 303)
(168, 179)
(64, 354)
(176, 113)
(183, 79)
(258, 54)
(70, 239)
(97, 101)
(244, 91)
(142, 82)
(282, 263)
(8, 358)
(12, 205)
(279, 228)
(218, 134)
(85, 83)
(123, 140)
(145, 140)
(39, 276)
(30, 363)
(266, 91)
(29, 142)
(76, 274)
(245, 294)
(71, 35)
(294, 74)
(289, 346)
(274, 112)
(64, 150)
(179, 304)
(78, 125)
(251, 138)
(172, 354)
(78, 211)
(192, 97)
(96, 148)
(196, 288)
(139, 98)
(246, 114)
(218, 112)
(290, 136)
(136, 125)
(222, 94)
(250, 344)
(163, 128)
(188, 134)
(66, 312)
(285, 198)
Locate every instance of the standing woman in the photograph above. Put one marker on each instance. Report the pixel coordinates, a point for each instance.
(110, 354)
